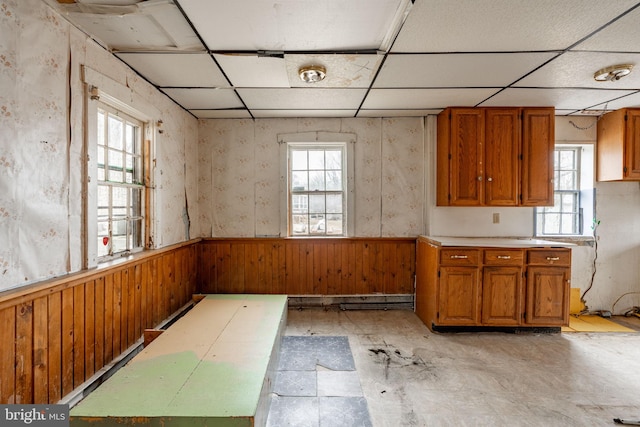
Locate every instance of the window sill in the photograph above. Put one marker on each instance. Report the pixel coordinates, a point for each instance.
(576, 240)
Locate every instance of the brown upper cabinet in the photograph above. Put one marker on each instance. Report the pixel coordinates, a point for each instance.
(495, 156)
(618, 146)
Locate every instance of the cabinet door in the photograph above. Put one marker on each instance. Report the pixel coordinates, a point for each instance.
(632, 145)
(459, 296)
(466, 157)
(502, 296)
(538, 143)
(501, 154)
(547, 296)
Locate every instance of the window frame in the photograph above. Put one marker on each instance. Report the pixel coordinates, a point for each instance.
(138, 174)
(98, 89)
(310, 192)
(318, 139)
(583, 193)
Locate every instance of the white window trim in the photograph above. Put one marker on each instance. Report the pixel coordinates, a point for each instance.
(587, 192)
(102, 88)
(320, 137)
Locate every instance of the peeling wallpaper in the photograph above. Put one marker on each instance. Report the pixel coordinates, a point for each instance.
(41, 141)
(240, 174)
(222, 178)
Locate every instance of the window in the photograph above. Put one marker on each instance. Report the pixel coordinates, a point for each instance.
(317, 189)
(120, 183)
(573, 193)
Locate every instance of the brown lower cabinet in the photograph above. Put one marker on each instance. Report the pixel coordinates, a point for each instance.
(492, 287)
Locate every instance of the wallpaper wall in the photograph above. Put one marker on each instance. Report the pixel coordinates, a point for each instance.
(241, 171)
(41, 137)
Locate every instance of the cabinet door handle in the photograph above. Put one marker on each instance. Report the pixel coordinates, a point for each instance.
(489, 179)
(504, 256)
(459, 257)
(480, 178)
(553, 258)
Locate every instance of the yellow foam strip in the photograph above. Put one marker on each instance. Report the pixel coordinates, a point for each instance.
(593, 324)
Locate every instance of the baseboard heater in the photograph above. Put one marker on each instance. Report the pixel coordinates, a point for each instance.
(354, 302)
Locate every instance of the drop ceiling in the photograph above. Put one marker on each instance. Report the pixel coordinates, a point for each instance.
(383, 58)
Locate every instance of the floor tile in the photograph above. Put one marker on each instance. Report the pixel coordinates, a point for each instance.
(294, 411)
(295, 383)
(344, 412)
(339, 383)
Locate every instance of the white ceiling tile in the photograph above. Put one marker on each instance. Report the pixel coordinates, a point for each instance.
(561, 98)
(306, 99)
(630, 101)
(398, 113)
(302, 113)
(221, 114)
(457, 70)
(617, 36)
(205, 98)
(575, 69)
(292, 25)
(251, 70)
(145, 26)
(177, 69)
(385, 99)
(502, 25)
(353, 70)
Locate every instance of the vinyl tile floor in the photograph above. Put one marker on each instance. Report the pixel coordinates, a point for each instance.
(404, 375)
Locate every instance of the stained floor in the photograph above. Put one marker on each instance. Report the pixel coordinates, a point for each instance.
(405, 375)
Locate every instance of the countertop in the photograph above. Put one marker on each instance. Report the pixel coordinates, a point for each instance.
(496, 242)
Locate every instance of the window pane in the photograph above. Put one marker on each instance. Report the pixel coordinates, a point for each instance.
(334, 159)
(334, 203)
(101, 118)
(316, 159)
(115, 132)
(334, 180)
(299, 181)
(316, 180)
(103, 238)
(100, 154)
(300, 225)
(567, 180)
(136, 202)
(334, 224)
(137, 228)
(566, 160)
(318, 224)
(298, 160)
(130, 138)
(119, 236)
(316, 203)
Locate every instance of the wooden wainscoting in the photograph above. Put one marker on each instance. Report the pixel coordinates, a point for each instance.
(321, 266)
(65, 330)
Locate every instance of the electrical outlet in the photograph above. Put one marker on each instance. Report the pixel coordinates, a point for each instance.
(496, 218)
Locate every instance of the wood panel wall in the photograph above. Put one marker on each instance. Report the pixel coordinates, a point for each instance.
(57, 334)
(351, 266)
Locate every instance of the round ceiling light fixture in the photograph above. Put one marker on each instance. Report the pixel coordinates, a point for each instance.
(312, 73)
(612, 73)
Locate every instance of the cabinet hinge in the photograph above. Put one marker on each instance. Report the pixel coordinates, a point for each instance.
(438, 315)
(625, 117)
(520, 156)
(449, 156)
(624, 169)
(438, 273)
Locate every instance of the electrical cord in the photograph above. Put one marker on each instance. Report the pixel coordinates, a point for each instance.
(594, 227)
